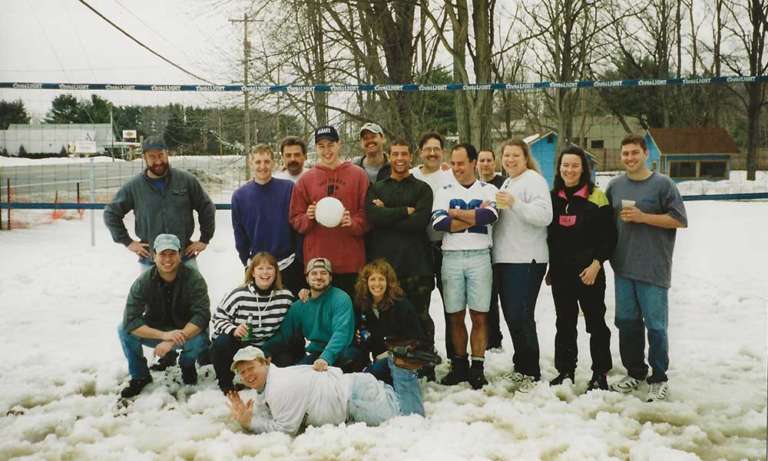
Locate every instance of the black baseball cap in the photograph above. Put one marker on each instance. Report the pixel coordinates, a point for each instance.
(326, 132)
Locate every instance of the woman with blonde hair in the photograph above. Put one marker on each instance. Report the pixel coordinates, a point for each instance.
(520, 254)
(249, 315)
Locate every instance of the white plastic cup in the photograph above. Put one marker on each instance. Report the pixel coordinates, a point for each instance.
(627, 203)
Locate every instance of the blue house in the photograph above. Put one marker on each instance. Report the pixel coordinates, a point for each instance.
(544, 150)
(691, 153)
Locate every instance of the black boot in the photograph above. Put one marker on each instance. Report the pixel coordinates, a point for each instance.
(598, 381)
(427, 372)
(477, 375)
(168, 360)
(189, 375)
(135, 386)
(459, 372)
(562, 377)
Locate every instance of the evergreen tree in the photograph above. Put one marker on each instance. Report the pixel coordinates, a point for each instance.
(12, 112)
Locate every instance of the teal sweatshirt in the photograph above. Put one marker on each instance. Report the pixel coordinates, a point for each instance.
(327, 322)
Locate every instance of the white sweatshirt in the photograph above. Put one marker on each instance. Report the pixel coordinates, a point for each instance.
(436, 180)
(520, 234)
(293, 392)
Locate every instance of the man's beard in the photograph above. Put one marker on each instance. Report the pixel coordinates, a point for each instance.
(293, 168)
(159, 170)
(314, 287)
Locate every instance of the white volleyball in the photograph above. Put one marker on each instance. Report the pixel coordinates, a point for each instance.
(329, 211)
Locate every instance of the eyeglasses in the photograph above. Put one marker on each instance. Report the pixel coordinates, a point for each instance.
(431, 149)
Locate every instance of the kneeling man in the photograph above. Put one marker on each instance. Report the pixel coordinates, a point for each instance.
(294, 397)
(168, 309)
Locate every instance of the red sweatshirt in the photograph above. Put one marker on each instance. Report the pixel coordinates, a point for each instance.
(344, 246)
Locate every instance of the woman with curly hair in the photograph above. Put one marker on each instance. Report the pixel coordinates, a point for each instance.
(385, 314)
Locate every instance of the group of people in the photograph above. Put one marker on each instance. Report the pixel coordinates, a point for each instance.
(319, 322)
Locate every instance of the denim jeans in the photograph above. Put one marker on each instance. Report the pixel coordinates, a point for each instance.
(467, 280)
(137, 363)
(373, 402)
(380, 370)
(405, 383)
(641, 306)
(519, 286)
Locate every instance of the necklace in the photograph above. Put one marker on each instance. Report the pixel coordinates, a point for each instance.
(261, 306)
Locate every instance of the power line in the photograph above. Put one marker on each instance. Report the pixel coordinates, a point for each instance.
(143, 45)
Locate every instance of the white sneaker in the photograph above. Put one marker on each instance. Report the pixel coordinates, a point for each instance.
(527, 385)
(520, 382)
(626, 385)
(658, 391)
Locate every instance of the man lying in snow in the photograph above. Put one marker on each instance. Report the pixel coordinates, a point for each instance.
(293, 397)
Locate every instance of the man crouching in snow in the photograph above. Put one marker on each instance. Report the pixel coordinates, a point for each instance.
(294, 397)
(168, 309)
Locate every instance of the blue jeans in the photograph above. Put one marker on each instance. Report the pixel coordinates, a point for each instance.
(519, 286)
(641, 306)
(467, 279)
(137, 363)
(405, 383)
(373, 402)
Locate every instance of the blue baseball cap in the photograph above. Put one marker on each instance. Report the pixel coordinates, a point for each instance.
(153, 142)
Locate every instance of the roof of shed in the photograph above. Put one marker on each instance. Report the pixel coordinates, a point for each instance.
(694, 141)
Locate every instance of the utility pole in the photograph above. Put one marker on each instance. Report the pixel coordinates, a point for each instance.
(246, 108)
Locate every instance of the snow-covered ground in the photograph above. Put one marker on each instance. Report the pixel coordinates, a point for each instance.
(61, 367)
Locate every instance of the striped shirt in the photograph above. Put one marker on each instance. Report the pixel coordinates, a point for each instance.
(264, 312)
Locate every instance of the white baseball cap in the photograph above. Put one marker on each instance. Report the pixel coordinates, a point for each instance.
(246, 354)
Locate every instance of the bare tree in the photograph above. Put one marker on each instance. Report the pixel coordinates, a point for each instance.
(569, 44)
(751, 39)
(473, 108)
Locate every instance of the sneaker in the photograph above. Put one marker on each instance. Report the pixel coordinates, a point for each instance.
(134, 387)
(626, 385)
(168, 360)
(658, 391)
(189, 375)
(476, 377)
(562, 377)
(458, 374)
(520, 382)
(528, 384)
(598, 381)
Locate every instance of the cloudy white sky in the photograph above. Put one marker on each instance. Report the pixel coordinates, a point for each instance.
(63, 41)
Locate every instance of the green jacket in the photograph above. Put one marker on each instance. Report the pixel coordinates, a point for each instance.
(327, 322)
(147, 303)
(161, 212)
(398, 237)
